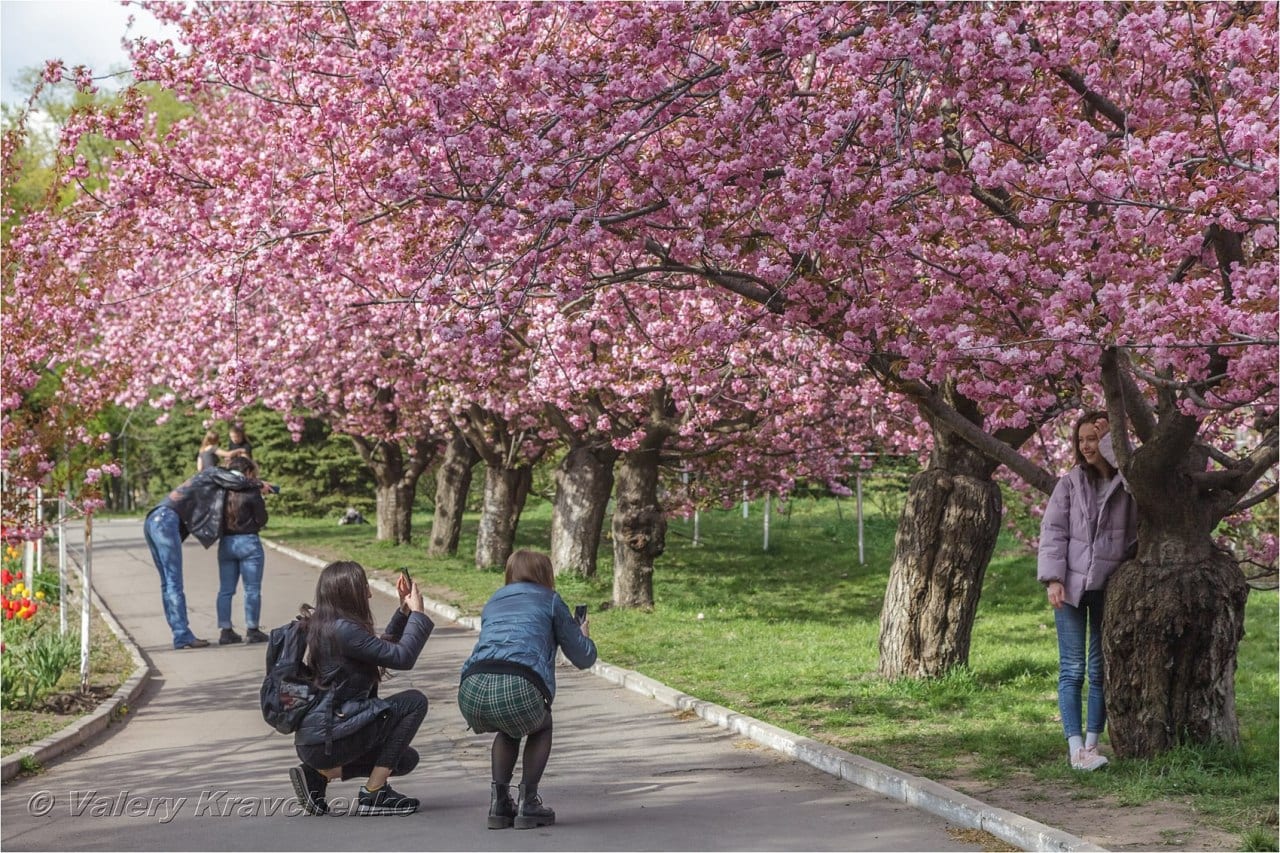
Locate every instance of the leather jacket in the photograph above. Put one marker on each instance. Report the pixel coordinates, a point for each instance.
(246, 513)
(351, 672)
(200, 500)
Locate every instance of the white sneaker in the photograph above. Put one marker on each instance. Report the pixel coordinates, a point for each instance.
(1088, 759)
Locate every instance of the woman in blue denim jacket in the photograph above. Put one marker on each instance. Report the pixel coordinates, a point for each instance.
(509, 682)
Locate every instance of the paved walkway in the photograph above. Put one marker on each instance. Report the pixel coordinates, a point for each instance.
(195, 768)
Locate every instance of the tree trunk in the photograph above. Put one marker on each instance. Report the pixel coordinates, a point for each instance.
(945, 538)
(1174, 617)
(639, 528)
(453, 483)
(505, 490)
(584, 480)
(395, 479)
(394, 511)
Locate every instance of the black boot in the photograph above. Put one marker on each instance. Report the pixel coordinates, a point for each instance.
(502, 809)
(532, 812)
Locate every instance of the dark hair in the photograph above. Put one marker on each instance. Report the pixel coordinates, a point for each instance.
(532, 567)
(243, 464)
(1090, 471)
(342, 592)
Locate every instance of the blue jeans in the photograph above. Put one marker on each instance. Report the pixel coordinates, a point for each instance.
(161, 530)
(1072, 623)
(240, 557)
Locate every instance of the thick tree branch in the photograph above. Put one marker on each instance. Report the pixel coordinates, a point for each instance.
(1135, 404)
(1114, 391)
(932, 402)
(1264, 495)
(1094, 99)
(746, 286)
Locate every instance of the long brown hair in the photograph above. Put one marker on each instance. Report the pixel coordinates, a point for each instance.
(342, 592)
(210, 440)
(530, 566)
(1090, 471)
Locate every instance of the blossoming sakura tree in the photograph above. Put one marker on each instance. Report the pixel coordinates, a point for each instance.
(337, 322)
(998, 211)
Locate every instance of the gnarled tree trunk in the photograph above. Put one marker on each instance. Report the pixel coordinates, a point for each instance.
(1171, 630)
(584, 480)
(394, 511)
(1174, 614)
(395, 477)
(945, 538)
(639, 527)
(453, 483)
(505, 490)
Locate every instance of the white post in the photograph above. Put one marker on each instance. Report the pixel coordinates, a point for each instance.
(744, 499)
(767, 506)
(29, 553)
(86, 606)
(684, 477)
(62, 564)
(697, 519)
(862, 557)
(40, 527)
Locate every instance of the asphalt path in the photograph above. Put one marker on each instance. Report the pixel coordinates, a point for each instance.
(195, 767)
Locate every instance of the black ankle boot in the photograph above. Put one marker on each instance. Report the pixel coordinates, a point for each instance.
(502, 809)
(532, 812)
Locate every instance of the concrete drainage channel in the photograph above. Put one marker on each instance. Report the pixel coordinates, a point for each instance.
(916, 791)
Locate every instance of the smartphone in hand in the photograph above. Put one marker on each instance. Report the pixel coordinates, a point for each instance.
(580, 613)
(404, 573)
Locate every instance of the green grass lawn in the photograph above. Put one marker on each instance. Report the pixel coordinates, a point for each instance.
(790, 636)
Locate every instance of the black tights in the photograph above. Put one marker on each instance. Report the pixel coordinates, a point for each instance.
(537, 749)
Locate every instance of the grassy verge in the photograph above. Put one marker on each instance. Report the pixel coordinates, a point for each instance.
(109, 666)
(790, 636)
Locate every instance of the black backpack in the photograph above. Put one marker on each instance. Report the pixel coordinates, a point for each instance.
(288, 691)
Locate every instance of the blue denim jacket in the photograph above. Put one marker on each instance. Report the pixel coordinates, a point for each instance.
(523, 623)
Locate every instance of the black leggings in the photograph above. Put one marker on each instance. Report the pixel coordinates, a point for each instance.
(537, 749)
(385, 743)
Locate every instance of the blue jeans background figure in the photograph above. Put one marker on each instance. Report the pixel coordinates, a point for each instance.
(240, 557)
(1074, 663)
(164, 538)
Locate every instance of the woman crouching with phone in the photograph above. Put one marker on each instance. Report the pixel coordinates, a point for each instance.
(509, 682)
(368, 735)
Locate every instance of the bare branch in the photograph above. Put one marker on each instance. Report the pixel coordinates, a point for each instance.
(1264, 495)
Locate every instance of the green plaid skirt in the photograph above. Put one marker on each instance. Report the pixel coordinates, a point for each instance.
(501, 702)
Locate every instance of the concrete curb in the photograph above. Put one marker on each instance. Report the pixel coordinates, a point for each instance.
(915, 791)
(58, 743)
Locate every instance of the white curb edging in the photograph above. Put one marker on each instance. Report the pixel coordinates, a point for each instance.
(916, 791)
(60, 742)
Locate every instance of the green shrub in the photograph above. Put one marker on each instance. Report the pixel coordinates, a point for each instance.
(31, 668)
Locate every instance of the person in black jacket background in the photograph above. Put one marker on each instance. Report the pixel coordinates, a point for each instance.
(196, 507)
(367, 735)
(240, 556)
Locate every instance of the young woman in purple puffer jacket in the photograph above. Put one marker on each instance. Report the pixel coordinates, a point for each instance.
(1089, 528)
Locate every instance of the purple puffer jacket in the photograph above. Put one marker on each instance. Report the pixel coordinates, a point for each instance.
(1082, 543)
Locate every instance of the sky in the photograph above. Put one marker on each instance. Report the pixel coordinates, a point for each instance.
(76, 31)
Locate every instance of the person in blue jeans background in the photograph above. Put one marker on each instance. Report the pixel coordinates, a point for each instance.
(240, 556)
(193, 508)
(1089, 528)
